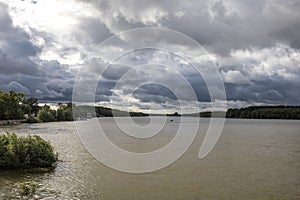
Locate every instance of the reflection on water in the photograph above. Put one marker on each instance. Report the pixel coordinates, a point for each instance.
(254, 159)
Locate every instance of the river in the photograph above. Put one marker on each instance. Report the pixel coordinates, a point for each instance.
(253, 159)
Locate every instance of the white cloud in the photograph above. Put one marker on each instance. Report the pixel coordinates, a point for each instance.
(279, 60)
(234, 77)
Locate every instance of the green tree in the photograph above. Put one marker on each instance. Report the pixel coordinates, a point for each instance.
(11, 105)
(46, 114)
(64, 112)
(68, 114)
(265, 112)
(60, 114)
(31, 106)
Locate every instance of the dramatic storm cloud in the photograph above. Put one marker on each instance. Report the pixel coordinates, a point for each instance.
(255, 45)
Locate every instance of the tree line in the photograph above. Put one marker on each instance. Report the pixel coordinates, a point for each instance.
(255, 112)
(100, 111)
(15, 106)
(265, 112)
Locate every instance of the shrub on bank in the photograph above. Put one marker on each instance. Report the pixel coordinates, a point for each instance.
(18, 152)
(31, 120)
(46, 114)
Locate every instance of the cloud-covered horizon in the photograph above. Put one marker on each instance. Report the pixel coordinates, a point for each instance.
(254, 44)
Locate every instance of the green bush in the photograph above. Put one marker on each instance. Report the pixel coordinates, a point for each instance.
(64, 113)
(46, 114)
(26, 189)
(25, 152)
(31, 120)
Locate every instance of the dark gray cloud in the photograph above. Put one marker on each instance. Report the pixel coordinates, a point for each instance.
(15, 47)
(269, 91)
(256, 45)
(91, 31)
(48, 86)
(47, 80)
(219, 25)
(154, 93)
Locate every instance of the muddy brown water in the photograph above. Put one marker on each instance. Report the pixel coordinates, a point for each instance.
(253, 159)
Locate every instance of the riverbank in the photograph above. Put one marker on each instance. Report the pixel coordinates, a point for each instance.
(10, 122)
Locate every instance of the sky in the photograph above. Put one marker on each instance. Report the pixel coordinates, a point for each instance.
(253, 44)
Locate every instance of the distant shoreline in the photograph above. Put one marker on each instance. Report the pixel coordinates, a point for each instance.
(256, 112)
(16, 108)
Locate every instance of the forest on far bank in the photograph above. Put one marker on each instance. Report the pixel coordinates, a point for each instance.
(265, 112)
(258, 112)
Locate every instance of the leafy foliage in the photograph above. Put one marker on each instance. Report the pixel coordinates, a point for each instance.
(14, 105)
(26, 189)
(25, 152)
(265, 112)
(30, 106)
(31, 120)
(10, 105)
(64, 112)
(46, 114)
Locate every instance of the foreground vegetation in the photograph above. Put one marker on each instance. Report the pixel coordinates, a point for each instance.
(30, 190)
(25, 152)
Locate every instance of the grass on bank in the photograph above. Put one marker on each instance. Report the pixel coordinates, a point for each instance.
(24, 152)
